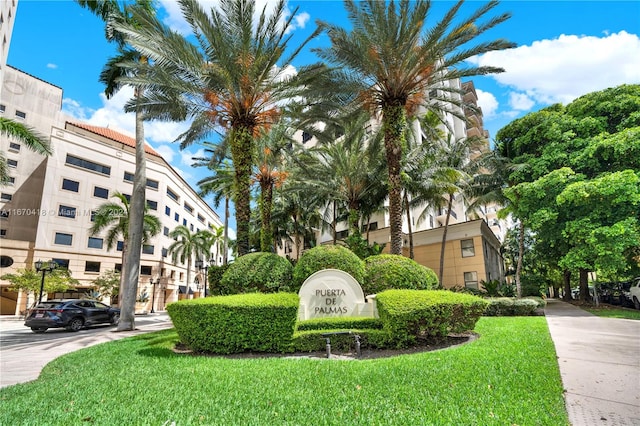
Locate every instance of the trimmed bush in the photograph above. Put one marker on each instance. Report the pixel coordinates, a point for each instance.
(215, 276)
(508, 306)
(387, 271)
(263, 272)
(342, 323)
(409, 315)
(237, 323)
(327, 257)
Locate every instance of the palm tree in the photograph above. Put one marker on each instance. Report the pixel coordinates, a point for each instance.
(112, 11)
(186, 247)
(231, 82)
(399, 61)
(23, 134)
(114, 219)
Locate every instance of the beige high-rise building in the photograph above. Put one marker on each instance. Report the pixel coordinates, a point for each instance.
(7, 17)
(47, 209)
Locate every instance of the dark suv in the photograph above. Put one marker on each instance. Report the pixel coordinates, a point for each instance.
(72, 314)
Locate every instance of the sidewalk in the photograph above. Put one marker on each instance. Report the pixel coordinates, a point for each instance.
(599, 361)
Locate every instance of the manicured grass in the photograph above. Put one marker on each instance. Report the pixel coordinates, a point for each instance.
(509, 376)
(609, 311)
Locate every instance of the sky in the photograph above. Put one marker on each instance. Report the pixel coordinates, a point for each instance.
(565, 49)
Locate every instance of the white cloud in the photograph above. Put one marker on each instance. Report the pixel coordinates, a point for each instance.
(52, 66)
(166, 152)
(521, 101)
(564, 68)
(488, 102)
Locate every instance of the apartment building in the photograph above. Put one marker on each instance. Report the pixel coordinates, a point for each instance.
(7, 18)
(47, 209)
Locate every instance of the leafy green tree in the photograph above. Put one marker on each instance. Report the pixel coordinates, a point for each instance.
(232, 82)
(397, 60)
(23, 134)
(108, 284)
(29, 281)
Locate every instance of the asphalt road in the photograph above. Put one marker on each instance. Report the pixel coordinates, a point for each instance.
(24, 353)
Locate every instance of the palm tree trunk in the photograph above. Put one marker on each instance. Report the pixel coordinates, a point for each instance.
(122, 269)
(394, 122)
(266, 231)
(136, 225)
(241, 153)
(406, 206)
(226, 231)
(520, 255)
(444, 240)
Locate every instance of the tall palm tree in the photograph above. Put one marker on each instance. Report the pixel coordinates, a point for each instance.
(114, 218)
(399, 60)
(23, 134)
(112, 11)
(187, 246)
(232, 82)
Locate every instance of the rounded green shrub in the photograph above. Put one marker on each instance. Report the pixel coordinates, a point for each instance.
(327, 257)
(263, 272)
(390, 271)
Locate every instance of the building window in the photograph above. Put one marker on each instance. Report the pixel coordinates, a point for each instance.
(184, 222)
(127, 197)
(120, 245)
(471, 280)
(188, 208)
(191, 227)
(95, 243)
(201, 218)
(306, 137)
(15, 147)
(2, 108)
(63, 239)
(153, 205)
(67, 211)
(173, 275)
(342, 234)
(100, 192)
(176, 217)
(93, 216)
(163, 272)
(21, 114)
(167, 211)
(118, 267)
(153, 184)
(88, 165)
(147, 249)
(6, 197)
(12, 163)
(3, 233)
(165, 252)
(467, 248)
(92, 266)
(70, 185)
(11, 180)
(172, 195)
(128, 177)
(4, 214)
(62, 263)
(145, 270)
(165, 231)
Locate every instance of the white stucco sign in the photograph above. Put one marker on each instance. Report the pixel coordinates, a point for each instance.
(332, 293)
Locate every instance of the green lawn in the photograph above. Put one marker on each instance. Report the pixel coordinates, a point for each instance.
(509, 376)
(609, 311)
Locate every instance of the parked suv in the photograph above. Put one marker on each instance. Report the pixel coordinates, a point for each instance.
(72, 314)
(634, 292)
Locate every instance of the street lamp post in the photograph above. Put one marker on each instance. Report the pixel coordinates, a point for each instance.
(201, 265)
(44, 267)
(153, 294)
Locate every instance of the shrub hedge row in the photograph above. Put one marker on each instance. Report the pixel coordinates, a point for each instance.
(238, 323)
(508, 306)
(389, 271)
(313, 340)
(409, 315)
(327, 257)
(264, 272)
(342, 323)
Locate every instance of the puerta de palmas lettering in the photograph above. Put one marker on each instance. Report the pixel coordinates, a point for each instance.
(330, 300)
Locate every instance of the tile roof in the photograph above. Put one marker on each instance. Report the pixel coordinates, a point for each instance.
(114, 136)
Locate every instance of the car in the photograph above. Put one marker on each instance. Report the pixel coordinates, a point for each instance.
(634, 292)
(72, 314)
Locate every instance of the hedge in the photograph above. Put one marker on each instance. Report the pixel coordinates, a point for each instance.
(238, 323)
(409, 315)
(509, 306)
(343, 323)
(388, 271)
(264, 272)
(313, 341)
(327, 257)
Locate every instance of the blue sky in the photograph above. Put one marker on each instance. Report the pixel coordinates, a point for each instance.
(565, 49)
